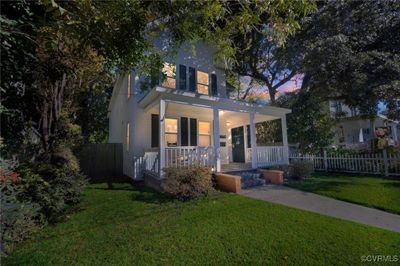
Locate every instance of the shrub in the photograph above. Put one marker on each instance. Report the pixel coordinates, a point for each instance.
(54, 183)
(301, 169)
(187, 183)
(18, 219)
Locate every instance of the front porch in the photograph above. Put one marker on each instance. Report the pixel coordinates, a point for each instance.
(210, 131)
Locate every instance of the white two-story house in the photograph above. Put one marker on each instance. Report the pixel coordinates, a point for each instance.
(187, 119)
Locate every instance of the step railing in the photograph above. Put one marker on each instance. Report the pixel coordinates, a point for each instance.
(272, 155)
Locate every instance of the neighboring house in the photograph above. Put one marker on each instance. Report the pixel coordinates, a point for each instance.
(188, 119)
(355, 131)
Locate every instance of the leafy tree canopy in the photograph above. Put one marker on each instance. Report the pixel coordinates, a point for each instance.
(309, 124)
(55, 52)
(350, 50)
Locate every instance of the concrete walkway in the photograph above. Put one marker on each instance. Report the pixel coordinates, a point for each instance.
(325, 205)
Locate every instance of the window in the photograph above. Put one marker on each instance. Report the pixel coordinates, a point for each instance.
(204, 134)
(202, 82)
(127, 136)
(129, 86)
(171, 132)
(169, 70)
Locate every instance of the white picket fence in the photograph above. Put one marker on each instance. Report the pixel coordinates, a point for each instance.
(377, 163)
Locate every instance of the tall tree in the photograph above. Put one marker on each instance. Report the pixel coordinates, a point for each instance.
(266, 63)
(72, 44)
(350, 50)
(309, 124)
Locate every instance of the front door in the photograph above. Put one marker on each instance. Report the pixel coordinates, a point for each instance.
(238, 145)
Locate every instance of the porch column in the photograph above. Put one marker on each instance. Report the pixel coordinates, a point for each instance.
(216, 140)
(161, 141)
(253, 142)
(284, 138)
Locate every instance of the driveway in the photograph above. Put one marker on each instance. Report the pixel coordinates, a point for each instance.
(325, 205)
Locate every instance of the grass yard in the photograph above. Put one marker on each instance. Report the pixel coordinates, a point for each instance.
(371, 191)
(134, 226)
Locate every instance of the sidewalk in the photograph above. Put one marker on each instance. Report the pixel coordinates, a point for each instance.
(324, 205)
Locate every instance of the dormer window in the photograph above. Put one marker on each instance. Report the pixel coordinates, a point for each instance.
(202, 82)
(169, 70)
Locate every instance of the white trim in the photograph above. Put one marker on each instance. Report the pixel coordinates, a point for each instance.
(186, 97)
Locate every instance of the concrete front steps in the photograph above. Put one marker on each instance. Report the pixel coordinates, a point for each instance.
(232, 167)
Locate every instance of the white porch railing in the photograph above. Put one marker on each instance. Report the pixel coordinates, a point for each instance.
(272, 155)
(186, 156)
(189, 156)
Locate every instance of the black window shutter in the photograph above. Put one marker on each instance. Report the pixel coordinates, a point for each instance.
(155, 130)
(193, 132)
(248, 136)
(184, 131)
(192, 79)
(214, 88)
(182, 77)
(154, 79)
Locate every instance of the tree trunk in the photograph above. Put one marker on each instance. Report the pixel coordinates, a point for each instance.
(45, 126)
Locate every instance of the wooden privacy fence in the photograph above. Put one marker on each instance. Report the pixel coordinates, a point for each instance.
(373, 163)
(101, 160)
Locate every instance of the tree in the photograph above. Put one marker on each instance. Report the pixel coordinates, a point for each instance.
(73, 44)
(309, 124)
(266, 63)
(350, 50)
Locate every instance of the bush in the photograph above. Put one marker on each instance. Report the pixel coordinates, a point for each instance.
(301, 169)
(187, 183)
(54, 184)
(18, 219)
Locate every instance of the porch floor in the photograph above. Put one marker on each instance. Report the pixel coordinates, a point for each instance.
(232, 167)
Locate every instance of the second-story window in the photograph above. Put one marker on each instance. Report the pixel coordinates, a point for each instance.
(169, 70)
(202, 82)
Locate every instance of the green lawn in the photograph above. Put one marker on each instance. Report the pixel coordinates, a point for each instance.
(132, 226)
(377, 192)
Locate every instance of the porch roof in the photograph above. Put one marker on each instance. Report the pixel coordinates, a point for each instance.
(185, 97)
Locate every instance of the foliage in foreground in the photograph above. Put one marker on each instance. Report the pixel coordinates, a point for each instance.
(187, 183)
(42, 194)
(18, 218)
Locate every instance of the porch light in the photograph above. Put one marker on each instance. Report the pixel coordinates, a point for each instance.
(228, 123)
(221, 112)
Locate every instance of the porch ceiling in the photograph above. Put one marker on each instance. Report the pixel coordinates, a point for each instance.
(230, 118)
(204, 102)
